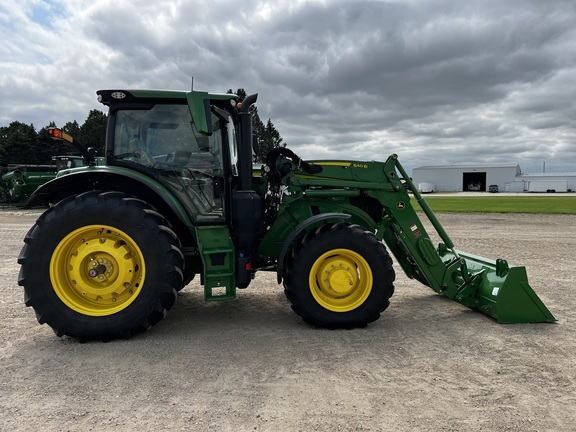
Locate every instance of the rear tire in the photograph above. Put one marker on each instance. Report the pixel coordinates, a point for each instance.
(339, 276)
(100, 266)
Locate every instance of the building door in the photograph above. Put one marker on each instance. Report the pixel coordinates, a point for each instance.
(474, 182)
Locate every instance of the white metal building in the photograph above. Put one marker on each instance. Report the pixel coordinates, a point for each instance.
(509, 178)
(543, 182)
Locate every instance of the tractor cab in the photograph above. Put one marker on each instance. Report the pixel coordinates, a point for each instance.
(198, 146)
(194, 158)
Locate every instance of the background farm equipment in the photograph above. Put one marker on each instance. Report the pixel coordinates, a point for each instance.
(19, 181)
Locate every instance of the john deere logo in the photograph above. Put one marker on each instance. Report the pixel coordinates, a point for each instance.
(400, 205)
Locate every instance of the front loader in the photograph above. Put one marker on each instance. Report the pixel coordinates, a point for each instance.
(176, 196)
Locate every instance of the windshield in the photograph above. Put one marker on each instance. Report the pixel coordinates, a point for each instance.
(190, 164)
(155, 135)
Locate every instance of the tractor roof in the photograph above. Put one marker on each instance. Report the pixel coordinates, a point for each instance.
(199, 102)
(108, 97)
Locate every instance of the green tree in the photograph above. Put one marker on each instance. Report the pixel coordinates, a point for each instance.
(93, 131)
(19, 143)
(3, 137)
(50, 147)
(241, 93)
(270, 138)
(72, 128)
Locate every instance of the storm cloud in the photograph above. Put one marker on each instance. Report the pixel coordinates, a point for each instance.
(437, 82)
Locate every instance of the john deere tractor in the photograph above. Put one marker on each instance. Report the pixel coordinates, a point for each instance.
(177, 196)
(19, 181)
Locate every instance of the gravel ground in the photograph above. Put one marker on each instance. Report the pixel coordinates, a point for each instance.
(251, 364)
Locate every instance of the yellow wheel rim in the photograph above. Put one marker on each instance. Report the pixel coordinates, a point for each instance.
(97, 270)
(340, 280)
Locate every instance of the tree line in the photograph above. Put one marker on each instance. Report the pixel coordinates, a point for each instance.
(21, 143)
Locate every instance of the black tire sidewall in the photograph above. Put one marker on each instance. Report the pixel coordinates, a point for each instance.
(355, 240)
(132, 220)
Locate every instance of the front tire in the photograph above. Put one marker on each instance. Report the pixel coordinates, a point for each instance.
(339, 276)
(100, 266)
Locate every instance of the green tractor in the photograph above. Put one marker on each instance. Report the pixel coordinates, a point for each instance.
(20, 180)
(176, 196)
(18, 183)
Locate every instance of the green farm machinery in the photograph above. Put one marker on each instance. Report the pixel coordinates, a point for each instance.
(176, 195)
(19, 181)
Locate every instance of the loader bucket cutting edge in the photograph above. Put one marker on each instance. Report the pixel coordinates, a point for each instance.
(503, 292)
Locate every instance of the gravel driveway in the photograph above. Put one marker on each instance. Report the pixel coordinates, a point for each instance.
(252, 365)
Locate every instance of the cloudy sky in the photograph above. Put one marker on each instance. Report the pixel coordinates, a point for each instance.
(436, 81)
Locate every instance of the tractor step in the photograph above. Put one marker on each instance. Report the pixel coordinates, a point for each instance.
(217, 252)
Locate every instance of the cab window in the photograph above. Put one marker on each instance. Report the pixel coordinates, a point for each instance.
(190, 164)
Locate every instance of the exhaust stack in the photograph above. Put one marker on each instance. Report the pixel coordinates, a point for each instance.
(245, 143)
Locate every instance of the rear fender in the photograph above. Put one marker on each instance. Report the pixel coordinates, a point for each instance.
(120, 180)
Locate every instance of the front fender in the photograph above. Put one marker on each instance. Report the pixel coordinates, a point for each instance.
(297, 231)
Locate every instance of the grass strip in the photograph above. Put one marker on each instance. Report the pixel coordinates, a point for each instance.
(501, 204)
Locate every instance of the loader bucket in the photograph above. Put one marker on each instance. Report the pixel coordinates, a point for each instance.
(496, 289)
(492, 287)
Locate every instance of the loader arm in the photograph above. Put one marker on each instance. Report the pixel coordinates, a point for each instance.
(490, 286)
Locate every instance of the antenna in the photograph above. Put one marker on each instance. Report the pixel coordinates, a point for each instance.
(192, 84)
